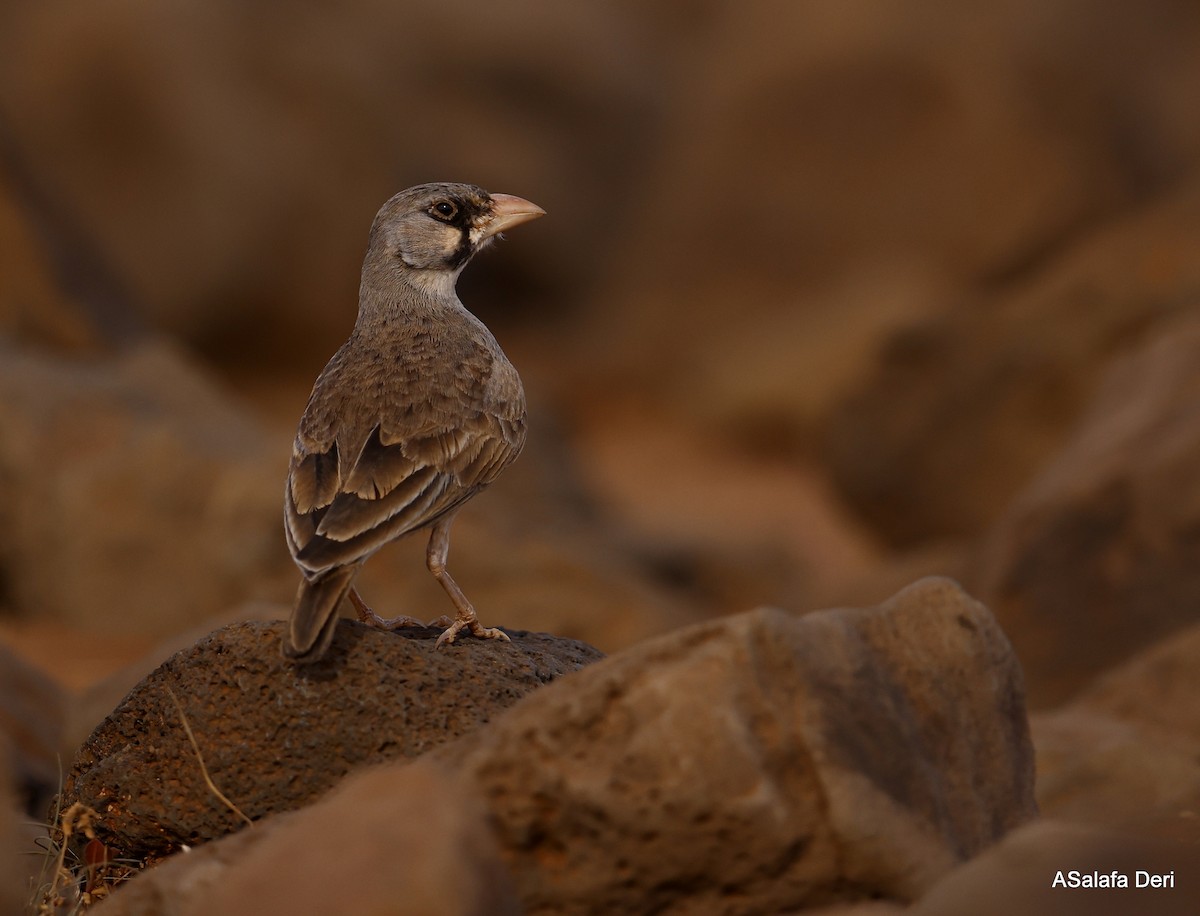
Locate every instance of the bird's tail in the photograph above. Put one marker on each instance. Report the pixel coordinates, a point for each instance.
(315, 616)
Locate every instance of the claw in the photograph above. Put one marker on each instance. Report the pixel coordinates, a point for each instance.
(469, 623)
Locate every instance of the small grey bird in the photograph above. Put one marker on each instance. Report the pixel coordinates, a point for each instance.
(416, 413)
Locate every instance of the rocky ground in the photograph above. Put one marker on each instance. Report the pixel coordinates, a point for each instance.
(852, 566)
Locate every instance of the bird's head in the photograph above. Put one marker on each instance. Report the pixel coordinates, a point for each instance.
(431, 231)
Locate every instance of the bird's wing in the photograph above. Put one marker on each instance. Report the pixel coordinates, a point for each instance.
(349, 494)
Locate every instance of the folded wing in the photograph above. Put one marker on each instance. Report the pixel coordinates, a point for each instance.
(338, 511)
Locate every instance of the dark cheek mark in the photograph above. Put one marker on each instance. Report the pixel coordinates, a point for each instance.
(462, 252)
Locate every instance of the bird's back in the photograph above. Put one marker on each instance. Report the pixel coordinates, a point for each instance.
(407, 397)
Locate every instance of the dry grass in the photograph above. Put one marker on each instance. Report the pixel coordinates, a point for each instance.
(68, 884)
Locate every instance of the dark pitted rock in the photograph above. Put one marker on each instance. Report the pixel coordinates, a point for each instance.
(763, 762)
(397, 840)
(274, 736)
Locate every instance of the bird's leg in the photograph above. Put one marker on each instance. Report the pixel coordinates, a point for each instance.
(465, 619)
(371, 619)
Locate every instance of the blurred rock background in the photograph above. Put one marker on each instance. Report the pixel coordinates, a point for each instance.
(829, 297)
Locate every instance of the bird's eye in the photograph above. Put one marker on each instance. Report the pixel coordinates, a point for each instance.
(443, 210)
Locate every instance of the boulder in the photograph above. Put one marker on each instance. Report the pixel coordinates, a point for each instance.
(33, 714)
(872, 908)
(764, 264)
(966, 406)
(763, 762)
(396, 841)
(1018, 875)
(1099, 556)
(251, 250)
(34, 307)
(1123, 753)
(101, 695)
(133, 493)
(273, 736)
(13, 888)
(733, 529)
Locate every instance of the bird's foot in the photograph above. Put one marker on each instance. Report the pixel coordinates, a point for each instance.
(371, 619)
(472, 624)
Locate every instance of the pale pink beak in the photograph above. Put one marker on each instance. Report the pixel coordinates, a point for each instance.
(509, 211)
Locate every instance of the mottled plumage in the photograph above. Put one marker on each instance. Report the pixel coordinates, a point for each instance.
(414, 414)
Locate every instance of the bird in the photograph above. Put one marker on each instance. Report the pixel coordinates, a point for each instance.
(414, 414)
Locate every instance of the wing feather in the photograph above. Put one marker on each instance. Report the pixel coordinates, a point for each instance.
(315, 479)
(351, 514)
(380, 469)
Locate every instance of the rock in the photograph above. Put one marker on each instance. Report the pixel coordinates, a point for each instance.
(33, 710)
(13, 890)
(398, 840)
(1098, 556)
(765, 531)
(274, 737)
(1018, 874)
(133, 495)
(763, 762)
(33, 306)
(93, 704)
(248, 255)
(1124, 753)
(762, 267)
(873, 908)
(1159, 688)
(73, 658)
(964, 408)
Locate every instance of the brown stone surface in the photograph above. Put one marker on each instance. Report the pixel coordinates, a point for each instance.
(965, 407)
(1099, 554)
(1126, 752)
(242, 246)
(873, 908)
(765, 531)
(33, 306)
(92, 704)
(274, 736)
(133, 494)
(13, 894)
(33, 711)
(915, 152)
(763, 762)
(1017, 876)
(401, 841)
(903, 132)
